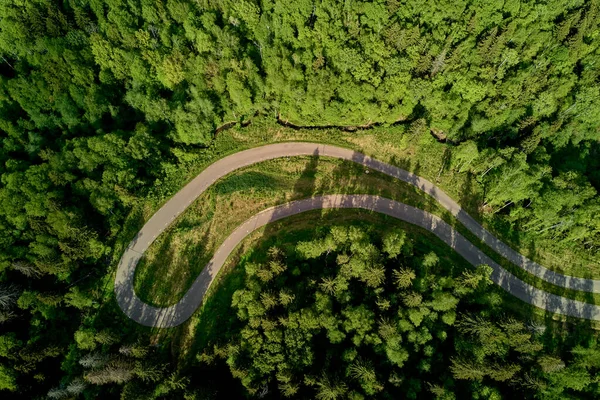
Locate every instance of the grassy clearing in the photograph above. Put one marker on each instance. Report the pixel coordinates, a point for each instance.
(425, 157)
(215, 321)
(177, 257)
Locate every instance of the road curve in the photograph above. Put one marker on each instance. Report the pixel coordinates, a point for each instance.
(147, 315)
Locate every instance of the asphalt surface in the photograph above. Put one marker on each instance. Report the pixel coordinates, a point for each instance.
(174, 315)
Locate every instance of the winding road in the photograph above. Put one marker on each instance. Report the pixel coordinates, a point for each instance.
(175, 315)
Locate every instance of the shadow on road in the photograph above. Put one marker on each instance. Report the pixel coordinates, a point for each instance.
(222, 321)
(217, 318)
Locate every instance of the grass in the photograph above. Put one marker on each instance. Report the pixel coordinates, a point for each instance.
(177, 257)
(215, 321)
(424, 156)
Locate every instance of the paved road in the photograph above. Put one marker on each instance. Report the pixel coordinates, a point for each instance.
(147, 315)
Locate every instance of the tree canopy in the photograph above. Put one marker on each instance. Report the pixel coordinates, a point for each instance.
(350, 314)
(101, 100)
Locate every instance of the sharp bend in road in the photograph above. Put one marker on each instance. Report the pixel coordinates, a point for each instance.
(174, 315)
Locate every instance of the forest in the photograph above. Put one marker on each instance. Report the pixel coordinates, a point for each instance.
(104, 102)
(351, 315)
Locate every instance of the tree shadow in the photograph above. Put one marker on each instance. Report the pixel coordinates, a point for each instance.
(446, 163)
(193, 255)
(469, 198)
(303, 188)
(129, 234)
(305, 184)
(243, 181)
(489, 305)
(216, 317)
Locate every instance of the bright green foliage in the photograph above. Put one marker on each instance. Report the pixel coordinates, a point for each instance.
(370, 342)
(395, 243)
(435, 335)
(85, 339)
(403, 277)
(102, 100)
(78, 299)
(7, 379)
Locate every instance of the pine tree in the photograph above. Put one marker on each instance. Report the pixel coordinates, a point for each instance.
(466, 369)
(503, 372)
(363, 372)
(8, 296)
(394, 244)
(328, 389)
(76, 387)
(550, 364)
(93, 360)
(412, 299)
(27, 269)
(403, 277)
(115, 371)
